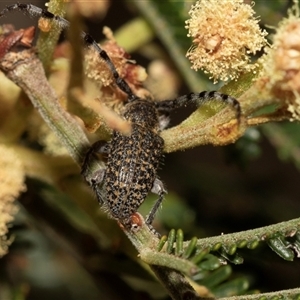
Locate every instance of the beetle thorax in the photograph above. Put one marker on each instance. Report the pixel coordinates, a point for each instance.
(142, 112)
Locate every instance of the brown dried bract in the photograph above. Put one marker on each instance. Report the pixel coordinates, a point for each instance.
(11, 39)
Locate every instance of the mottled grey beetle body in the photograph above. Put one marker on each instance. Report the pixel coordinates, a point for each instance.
(132, 163)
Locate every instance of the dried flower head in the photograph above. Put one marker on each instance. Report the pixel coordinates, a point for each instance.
(282, 63)
(11, 185)
(224, 34)
(97, 70)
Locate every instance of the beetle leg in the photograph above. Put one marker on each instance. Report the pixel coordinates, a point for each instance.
(158, 188)
(95, 177)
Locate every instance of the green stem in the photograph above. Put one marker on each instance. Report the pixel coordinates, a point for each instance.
(250, 238)
(47, 41)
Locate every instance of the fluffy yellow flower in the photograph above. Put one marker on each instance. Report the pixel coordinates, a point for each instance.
(11, 185)
(281, 72)
(224, 34)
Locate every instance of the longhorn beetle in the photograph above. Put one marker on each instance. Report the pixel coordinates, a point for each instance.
(131, 161)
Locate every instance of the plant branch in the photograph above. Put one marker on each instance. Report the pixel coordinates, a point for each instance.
(26, 70)
(286, 294)
(253, 236)
(174, 281)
